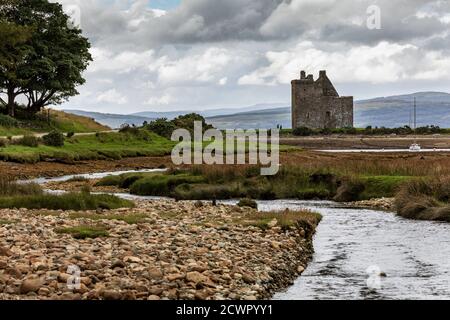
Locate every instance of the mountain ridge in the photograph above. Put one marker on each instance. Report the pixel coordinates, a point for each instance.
(433, 108)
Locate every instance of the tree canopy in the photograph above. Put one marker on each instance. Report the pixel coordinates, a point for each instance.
(42, 56)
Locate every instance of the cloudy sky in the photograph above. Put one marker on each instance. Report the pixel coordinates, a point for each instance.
(163, 55)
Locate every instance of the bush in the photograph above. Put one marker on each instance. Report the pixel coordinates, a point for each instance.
(424, 200)
(246, 202)
(205, 192)
(70, 134)
(314, 193)
(54, 139)
(126, 128)
(350, 190)
(3, 143)
(9, 187)
(161, 185)
(28, 141)
(162, 127)
(8, 122)
(302, 132)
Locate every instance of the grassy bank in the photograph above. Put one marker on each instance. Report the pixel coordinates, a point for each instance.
(31, 196)
(92, 147)
(58, 120)
(425, 199)
(230, 182)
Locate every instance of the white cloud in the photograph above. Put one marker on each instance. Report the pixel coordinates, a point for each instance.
(112, 96)
(207, 53)
(123, 62)
(223, 81)
(385, 62)
(208, 66)
(160, 101)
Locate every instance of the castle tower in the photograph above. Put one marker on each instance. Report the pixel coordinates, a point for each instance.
(317, 104)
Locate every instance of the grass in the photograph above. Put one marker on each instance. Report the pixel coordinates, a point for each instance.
(68, 201)
(5, 222)
(59, 120)
(129, 218)
(85, 231)
(10, 188)
(93, 147)
(287, 219)
(425, 199)
(234, 182)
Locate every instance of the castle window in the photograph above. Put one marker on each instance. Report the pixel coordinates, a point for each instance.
(328, 115)
(307, 116)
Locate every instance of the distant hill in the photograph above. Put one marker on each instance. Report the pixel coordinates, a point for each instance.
(262, 119)
(208, 113)
(433, 108)
(112, 120)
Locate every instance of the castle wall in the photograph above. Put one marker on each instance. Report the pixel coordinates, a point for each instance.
(316, 105)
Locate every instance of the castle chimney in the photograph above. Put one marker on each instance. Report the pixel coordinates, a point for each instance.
(302, 75)
(310, 77)
(323, 73)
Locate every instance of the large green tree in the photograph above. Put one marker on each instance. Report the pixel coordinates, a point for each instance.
(51, 54)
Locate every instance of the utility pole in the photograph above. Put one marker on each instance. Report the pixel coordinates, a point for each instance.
(415, 114)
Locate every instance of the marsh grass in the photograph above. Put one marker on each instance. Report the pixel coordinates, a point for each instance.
(425, 199)
(8, 187)
(85, 231)
(69, 201)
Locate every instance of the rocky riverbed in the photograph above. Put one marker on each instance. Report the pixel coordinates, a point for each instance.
(387, 204)
(164, 250)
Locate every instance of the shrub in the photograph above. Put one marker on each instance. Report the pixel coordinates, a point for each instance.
(126, 128)
(205, 192)
(424, 200)
(161, 185)
(314, 193)
(54, 139)
(7, 121)
(246, 202)
(9, 187)
(350, 190)
(162, 127)
(28, 141)
(109, 181)
(3, 143)
(302, 132)
(70, 134)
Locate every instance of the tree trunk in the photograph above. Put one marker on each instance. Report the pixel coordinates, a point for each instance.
(11, 102)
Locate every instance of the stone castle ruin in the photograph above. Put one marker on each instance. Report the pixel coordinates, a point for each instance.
(317, 105)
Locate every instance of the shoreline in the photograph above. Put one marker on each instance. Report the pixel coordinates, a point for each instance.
(178, 250)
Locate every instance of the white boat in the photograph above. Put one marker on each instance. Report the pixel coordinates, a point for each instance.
(415, 147)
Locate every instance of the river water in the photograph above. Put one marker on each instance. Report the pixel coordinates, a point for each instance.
(354, 246)
(351, 244)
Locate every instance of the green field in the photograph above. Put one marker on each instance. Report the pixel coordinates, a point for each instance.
(92, 147)
(58, 120)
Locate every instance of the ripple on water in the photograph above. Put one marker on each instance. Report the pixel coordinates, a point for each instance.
(415, 255)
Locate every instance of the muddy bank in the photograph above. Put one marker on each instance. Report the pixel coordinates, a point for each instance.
(53, 169)
(173, 250)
